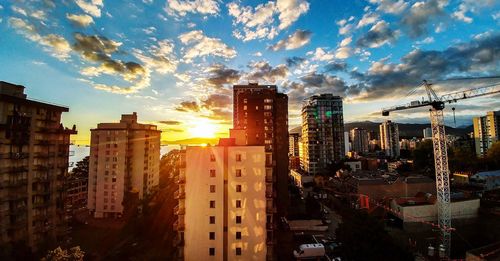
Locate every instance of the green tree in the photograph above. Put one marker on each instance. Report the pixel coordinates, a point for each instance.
(59, 254)
(364, 238)
(423, 157)
(82, 168)
(493, 155)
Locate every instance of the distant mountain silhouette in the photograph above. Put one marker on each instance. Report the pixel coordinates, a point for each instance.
(406, 130)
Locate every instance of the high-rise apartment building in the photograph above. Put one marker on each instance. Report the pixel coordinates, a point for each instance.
(486, 131)
(34, 153)
(293, 141)
(226, 205)
(124, 159)
(427, 133)
(322, 132)
(359, 140)
(389, 139)
(262, 112)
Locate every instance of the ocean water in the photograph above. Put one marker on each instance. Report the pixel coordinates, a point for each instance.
(78, 152)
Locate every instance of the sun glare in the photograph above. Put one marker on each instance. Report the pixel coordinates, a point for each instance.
(203, 130)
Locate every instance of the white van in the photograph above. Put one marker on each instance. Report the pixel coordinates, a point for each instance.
(308, 251)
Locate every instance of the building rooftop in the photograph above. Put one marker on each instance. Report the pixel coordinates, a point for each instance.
(488, 252)
(487, 174)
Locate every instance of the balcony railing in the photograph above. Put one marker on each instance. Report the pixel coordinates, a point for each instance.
(179, 210)
(13, 183)
(180, 179)
(271, 209)
(179, 225)
(181, 164)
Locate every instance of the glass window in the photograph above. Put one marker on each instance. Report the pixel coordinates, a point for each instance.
(238, 203)
(212, 219)
(238, 235)
(211, 251)
(238, 157)
(238, 219)
(212, 157)
(238, 251)
(238, 173)
(211, 235)
(238, 188)
(212, 188)
(212, 203)
(212, 173)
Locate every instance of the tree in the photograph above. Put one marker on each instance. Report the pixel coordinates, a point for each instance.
(493, 155)
(82, 168)
(59, 254)
(363, 237)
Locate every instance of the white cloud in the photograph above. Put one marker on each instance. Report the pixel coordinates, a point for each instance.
(159, 58)
(201, 45)
(55, 44)
(149, 30)
(427, 40)
(471, 6)
(290, 11)
(19, 10)
(258, 54)
(344, 27)
(80, 20)
(91, 7)
(390, 6)
(346, 41)
(367, 19)
(321, 55)
(496, 15)
(260, 22)
(296, 40)
(343, 52)
(183, 7)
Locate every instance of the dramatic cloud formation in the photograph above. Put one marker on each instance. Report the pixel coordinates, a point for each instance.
(264, 72)
(91, 7)
(54, 44)
(170, 122)
(187, 106)
(390, 6)
(219, 75)
(421, 13)
(296, 40)
(80, 20)
(159, 58)
(377, 36)
(201, 45)
(259, 22)
(480, 56)
(183, 7)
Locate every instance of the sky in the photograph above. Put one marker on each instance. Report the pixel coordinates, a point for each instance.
(174, 61)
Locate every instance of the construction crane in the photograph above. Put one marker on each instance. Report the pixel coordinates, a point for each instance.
(437, 105)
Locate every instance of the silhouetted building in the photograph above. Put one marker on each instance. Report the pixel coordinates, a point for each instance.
(322, 132)
(34, 153)
(124, 158)
(486, 131)
(389, 139)
(226, 202)
(262, 112)
(359, 139)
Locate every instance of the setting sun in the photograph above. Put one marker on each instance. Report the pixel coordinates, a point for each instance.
(203, 129)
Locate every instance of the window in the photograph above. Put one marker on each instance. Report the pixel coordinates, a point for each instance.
(257, 108)
(212, 157)
(238, 203)
(212, 219)
(245, 107)
(268, 107)
(212, 188)
(238, 251)
(238, 219)
(212, 173)
(268, 100)
(211, 251)
(212, 203)
(238, 188)
(238, 173)
(211, 235)
(238, 235)
(245, 100)
(113, 179)
(238, 157)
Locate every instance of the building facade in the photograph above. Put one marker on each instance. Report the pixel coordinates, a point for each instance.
(359, 140)
(124, 161)
(322, 133)
(486, 131)
(262, 112)
(34, 153)
(226, 205)
(389, 139)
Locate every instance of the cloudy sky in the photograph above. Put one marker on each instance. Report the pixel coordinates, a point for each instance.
(174, 61)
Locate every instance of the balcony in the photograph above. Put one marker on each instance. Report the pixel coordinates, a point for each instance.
(271, 209)
(179, 211)
(179, 194)
(270, 226)
(14, 170)
(178, 241)
(181, 164)
(41, 179)
(45, 204)
(271, 194)
(13, 183)
(40, 217)
(270, 178)
(179, 225)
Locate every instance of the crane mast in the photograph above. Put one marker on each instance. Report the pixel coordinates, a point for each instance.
(440, 149)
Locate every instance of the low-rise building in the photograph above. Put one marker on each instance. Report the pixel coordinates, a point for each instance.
(302, 180)
(418, 209)
(487, 180)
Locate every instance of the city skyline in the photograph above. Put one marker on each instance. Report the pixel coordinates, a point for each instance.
(174, 62)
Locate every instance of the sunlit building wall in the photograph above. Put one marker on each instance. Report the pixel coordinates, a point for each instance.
(34, 155)
(224, 201)
(359, 139)
(124, 157)
(389, 139)
(486, 131)
(322, 132)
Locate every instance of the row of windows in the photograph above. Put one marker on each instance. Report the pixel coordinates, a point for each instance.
(211, 235)
(238, 205)
(237, 173)
(238, 157)
(211, 251)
